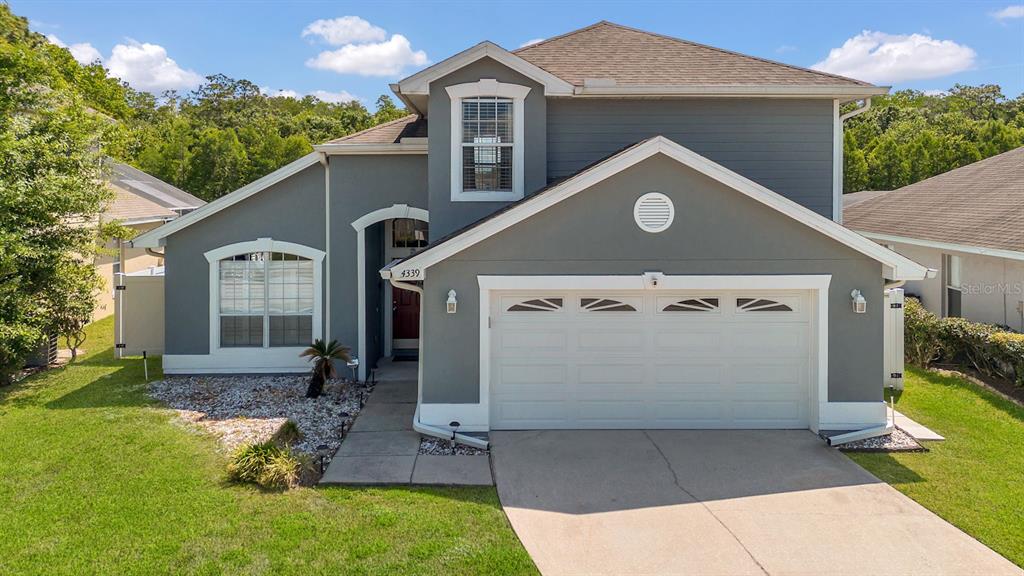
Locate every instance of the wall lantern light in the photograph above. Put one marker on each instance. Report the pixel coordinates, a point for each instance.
(452, 302)
(860, 305)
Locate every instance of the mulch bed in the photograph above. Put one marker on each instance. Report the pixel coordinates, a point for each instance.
(438, 447)
(898, 441)
(240, 410)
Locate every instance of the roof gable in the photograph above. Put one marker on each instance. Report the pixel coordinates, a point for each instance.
(419, 83)
(155, 237)
(896, 266)
(981, 205)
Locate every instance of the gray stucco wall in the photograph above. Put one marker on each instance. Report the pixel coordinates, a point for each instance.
(291, 210)
(784, 145)
(716, 231)
(360, 185)
(447, 216)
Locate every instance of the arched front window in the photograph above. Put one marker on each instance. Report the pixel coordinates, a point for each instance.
(265, 294)
(266, 300)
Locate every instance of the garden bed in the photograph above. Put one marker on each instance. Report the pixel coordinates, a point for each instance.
(241, 410)
(430, 446)
(897, 441)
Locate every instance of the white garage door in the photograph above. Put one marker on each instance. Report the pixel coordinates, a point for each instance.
(591, 359)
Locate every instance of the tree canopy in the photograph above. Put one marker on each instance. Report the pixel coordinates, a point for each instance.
(908, 135)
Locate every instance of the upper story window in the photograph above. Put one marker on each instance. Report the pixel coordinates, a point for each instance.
(487, 144)
(487, 127)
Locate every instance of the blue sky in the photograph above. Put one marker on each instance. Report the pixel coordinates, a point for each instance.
(337, 49)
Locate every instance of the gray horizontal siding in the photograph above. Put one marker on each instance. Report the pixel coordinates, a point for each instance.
(784, 145)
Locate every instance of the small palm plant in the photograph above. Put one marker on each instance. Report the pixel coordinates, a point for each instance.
(323, 355)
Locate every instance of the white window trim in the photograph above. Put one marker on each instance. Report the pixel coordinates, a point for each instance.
(286, 357)
(488, 87)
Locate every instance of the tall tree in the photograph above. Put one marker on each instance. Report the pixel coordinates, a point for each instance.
(51, 191)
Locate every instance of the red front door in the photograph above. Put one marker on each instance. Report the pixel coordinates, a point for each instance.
(405, 305)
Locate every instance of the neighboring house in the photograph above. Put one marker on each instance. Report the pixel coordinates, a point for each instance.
(142, 203)
(969, 225)
(625, 230)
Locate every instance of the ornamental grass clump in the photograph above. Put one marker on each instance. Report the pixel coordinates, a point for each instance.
(267, 465)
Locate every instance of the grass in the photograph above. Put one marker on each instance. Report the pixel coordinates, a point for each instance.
(95, 478)
(975, 478)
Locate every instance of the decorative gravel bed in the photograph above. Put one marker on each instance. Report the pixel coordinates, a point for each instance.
(438, 447)
(898, 441)
(240, 410)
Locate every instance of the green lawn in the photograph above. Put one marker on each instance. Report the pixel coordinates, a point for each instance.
(975, 479)
(97, 479)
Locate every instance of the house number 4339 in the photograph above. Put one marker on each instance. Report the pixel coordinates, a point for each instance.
(409, 273)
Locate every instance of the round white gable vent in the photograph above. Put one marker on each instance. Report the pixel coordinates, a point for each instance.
(653, 212)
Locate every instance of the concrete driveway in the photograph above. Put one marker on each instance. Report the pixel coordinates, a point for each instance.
(716, 502)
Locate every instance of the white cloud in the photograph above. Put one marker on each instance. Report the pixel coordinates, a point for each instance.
(147, 67)
(785, 48)
(881, 57)
(334, 97)
(83, 52)
(1010, 12)
(531, 42)
(345, 30)
(387, 58)
(326, 96)
(934, 92)
(283, 93)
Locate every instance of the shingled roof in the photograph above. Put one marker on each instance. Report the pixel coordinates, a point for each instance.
(411, 126)
(139, 196)
(981, 204)
(607, 51)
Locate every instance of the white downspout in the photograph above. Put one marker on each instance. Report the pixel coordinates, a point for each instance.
(325, 161)
(417, 425)
(837, 155)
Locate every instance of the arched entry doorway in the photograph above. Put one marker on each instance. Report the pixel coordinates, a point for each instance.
(398, 319)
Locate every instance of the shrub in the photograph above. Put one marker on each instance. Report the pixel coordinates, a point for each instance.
(965, 342)
(265, 464)
(987, 348)
(1009, 352)
(920, 333)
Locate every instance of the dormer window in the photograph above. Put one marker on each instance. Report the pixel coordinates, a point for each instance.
(487, 141)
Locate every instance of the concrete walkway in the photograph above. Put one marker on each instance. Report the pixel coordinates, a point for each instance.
(716, 502)
(383, 449)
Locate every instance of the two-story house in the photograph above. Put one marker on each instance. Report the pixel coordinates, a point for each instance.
(607, 229)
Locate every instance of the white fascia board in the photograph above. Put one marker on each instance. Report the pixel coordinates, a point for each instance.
(948, 246)
(844, 93)
(154, 238)
(896, 267)
(664, 282)
(372, 149)
(419, 83)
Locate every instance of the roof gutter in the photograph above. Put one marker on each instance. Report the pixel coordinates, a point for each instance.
(417, 424)
(610, 89)
(375, 149)
(857, 111)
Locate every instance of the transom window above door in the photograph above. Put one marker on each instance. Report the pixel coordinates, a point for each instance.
(266, 300)
(408, 233)
(487, 128)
